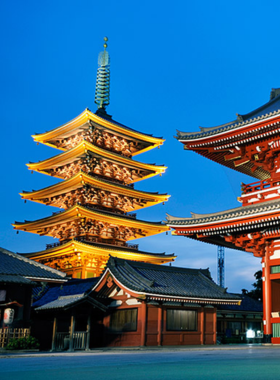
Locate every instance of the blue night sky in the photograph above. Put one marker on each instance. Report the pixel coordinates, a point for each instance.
(174, 65)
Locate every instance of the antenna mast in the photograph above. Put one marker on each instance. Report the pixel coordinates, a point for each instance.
(221, 266)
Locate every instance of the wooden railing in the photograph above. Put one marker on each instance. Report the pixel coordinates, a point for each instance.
(258, 186)
(62, 340)
(7, 334)
(80, 340)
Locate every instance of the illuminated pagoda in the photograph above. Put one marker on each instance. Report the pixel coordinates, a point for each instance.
(97, 190)
(251, 145)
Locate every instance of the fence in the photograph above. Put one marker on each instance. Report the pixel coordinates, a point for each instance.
(62, 340)
(7, 334)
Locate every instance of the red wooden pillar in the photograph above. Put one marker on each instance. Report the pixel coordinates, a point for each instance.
(143, 323)
(215, 325)
(159, 325)
(266, 297)
(202, 326)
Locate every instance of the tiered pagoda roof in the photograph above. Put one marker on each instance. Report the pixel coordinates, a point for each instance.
(96, 193)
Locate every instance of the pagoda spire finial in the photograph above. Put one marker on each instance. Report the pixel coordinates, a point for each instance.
(102, 89)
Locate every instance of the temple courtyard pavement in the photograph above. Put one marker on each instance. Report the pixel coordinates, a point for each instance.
(219, 362)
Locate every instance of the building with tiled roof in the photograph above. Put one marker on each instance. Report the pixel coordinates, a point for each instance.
(18, 275)
(167, 283)
(250, 144)
(134, 304)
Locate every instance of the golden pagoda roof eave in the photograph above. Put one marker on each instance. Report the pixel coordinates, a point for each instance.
(77, 181)
(87, 115)
(69, 155)
(78, 211)
(74, 246)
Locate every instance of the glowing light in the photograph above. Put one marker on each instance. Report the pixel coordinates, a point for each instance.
(250, 334)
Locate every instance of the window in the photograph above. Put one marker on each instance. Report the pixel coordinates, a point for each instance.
(276, 330)
(275, 269)
(124, 320)
(178, 320)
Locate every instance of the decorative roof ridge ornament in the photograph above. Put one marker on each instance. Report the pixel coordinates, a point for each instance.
(102, 89)
(274, 93)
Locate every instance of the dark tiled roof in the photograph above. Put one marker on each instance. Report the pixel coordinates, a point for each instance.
(71, 288)
(62, 302)
(15, 279)
(66, 296)
(169, 281)
(247, 304)
(14, 264)
(267, 110)
(39, 291)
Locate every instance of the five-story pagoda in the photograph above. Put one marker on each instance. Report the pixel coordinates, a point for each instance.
(97, 191)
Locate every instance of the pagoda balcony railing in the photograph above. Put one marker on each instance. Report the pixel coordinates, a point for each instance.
(53, 245)
(258, 186)
(132, 215)
(96, 240)
(132, 246)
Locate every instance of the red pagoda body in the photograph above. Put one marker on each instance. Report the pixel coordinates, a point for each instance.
(251, 145)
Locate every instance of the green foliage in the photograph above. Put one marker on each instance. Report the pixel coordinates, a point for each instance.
(256, 293)
(23, 343)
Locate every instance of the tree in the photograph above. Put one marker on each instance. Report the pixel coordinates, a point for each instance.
(256, 293)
